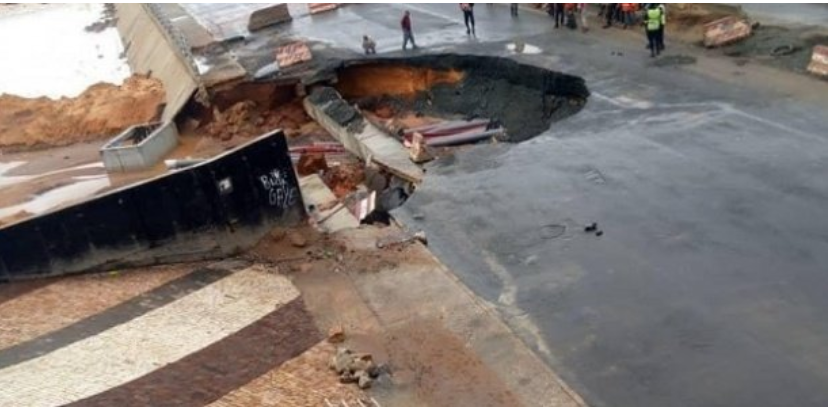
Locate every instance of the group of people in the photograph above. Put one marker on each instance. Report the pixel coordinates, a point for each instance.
(570, 15)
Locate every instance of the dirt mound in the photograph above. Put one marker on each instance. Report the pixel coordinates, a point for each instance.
(343, 179)
(247, 119)
(103, 110)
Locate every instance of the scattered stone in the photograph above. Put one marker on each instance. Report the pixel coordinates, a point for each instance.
(364, 380)
(336, 335)
(297, 240)
(355, 368)
(401, 238)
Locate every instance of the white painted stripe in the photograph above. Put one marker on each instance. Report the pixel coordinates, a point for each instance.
(138, 347)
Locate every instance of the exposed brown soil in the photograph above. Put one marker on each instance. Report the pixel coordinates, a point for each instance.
(429, 365)
(103, 110)
(376, 81)
(344, 178)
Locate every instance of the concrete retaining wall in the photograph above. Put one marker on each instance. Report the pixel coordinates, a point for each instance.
(120, 155)
(210, 210)
(155, 47)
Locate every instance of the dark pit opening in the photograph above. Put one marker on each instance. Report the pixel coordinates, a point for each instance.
(525, 99)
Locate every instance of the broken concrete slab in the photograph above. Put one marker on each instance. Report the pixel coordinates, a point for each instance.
(359, 136)
(318, 195)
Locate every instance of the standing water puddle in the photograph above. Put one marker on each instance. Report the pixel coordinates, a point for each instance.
(58, 196)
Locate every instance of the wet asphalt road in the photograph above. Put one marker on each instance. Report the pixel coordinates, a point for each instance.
(709, 284)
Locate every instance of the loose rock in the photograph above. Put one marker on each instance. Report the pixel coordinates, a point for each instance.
(297, 240)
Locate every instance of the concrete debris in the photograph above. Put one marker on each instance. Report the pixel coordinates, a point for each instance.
(354, 367)
(725, 31)
(401, 238)
(818, 61)
(418, 151)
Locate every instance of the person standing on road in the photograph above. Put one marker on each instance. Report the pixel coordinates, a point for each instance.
(513, 9)
(468, 17)
(582, 16)
(407, 32)
(628, 11)
(661, 8)
(653, 20)
(559, 14)
(610, 13)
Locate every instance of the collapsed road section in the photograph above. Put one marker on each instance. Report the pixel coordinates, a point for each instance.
(525, 99)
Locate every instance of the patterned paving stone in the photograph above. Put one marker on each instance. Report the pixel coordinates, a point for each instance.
(65, 301)
(148, 343)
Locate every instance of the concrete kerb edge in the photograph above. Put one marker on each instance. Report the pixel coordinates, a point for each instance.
(489, 309)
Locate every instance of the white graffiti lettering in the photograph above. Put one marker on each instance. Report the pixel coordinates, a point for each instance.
(279, 191)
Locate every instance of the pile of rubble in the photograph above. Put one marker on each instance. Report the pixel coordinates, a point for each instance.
(355, 367)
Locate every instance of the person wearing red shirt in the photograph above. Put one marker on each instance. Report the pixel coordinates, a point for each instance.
(407, 31)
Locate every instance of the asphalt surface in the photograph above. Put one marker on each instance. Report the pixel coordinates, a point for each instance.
(709, 283)
(797, 14)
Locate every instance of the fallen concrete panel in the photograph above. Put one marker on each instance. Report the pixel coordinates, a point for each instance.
(157, 49)
(725, 31)
(818, 62)
(213, 209)
(361, 137)
(316, 193)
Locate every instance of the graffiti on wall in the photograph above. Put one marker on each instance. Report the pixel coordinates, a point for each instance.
(280, 191)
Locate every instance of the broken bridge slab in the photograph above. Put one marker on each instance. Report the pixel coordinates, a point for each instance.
(364, 139)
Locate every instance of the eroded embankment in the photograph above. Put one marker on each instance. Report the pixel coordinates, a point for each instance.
(525, 99)
(103, 110)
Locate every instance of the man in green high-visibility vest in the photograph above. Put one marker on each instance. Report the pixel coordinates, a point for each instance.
(653, 23)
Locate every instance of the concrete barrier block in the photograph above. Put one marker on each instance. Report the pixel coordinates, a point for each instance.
(818, 62)
(268, 16)
(725, 31)
(139, 147)
(315, 8)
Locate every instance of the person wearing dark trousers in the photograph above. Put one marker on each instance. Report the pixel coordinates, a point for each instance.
(513, 9)
(653, 20)
(610, 12)
(468, 17)
(661, 8)
(559, 15)
(407, 31)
